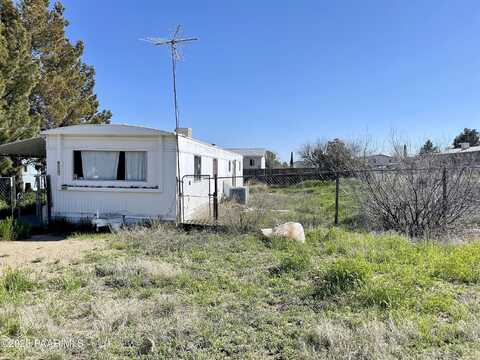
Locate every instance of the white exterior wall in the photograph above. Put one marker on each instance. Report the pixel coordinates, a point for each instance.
(196, 193)
(76, 199)
(76, 202)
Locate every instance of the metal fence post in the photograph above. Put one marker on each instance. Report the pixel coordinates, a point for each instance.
(38, 199)
(215, 197)
(337, 191)
(13, 194)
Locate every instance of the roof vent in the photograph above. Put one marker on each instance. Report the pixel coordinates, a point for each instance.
(464, 145)
(185, 132)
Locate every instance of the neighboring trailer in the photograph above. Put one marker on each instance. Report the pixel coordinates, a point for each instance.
(131, 170)
(253, 158)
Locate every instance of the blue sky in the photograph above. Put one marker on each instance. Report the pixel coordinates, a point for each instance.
(278, 73)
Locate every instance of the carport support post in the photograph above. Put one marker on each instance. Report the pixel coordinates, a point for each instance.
(48, 185)
(337, 191)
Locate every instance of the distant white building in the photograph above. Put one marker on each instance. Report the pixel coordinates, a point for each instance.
(29, 174)
(380, 160)
(465, 154)
(253, 158)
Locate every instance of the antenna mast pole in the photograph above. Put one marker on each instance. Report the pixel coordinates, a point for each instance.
(175, 56)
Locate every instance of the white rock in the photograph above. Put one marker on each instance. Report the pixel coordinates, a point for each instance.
(289, 230)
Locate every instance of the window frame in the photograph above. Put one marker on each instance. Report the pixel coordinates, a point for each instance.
(197, 177)
(124, 180)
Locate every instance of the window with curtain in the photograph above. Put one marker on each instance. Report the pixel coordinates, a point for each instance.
(110, 165)
(135, 166)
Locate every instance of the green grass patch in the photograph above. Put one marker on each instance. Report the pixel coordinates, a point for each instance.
(341, 276)
(68, 282)
(13, 284)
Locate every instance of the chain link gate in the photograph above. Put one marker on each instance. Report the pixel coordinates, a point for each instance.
(7, 196)
(32, 206)
(196, 199)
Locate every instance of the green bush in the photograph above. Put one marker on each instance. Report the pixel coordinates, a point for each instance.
(11, 229)
(7, 232)
(342, 276)
(22, 230)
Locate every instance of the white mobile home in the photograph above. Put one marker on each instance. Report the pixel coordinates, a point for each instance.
(133, 171)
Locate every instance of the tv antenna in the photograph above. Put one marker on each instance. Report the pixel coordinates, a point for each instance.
(173, 43)
(176, 56)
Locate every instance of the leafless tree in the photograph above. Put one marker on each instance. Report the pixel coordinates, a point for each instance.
(421, 197)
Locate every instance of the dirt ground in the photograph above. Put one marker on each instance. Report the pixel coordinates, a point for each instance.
(42, 251)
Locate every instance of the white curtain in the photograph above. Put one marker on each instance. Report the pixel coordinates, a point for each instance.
(135, 166)
(100, 165)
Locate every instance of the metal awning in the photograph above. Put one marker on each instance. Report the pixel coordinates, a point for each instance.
(34, 148)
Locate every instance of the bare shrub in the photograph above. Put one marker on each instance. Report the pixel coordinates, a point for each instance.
(424, 197)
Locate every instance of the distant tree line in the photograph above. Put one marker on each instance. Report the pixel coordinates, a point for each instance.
(43, 81)
(340, 155)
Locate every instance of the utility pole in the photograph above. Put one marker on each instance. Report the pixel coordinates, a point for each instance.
(173, 42)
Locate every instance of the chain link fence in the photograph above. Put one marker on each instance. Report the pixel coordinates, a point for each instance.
(313, 199)
(30, 206)
(7, 196)
(415, 201)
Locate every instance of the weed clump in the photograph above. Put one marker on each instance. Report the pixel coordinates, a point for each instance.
(342, 276)
(294, 263)
(458, 264)
(11, 229)
(13, 284)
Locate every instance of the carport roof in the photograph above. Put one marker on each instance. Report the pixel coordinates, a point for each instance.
(33, 148)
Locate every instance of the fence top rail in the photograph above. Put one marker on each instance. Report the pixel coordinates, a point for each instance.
(332, 173)
(207, 177)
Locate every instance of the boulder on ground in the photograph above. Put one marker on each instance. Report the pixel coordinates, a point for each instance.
(289, 230)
